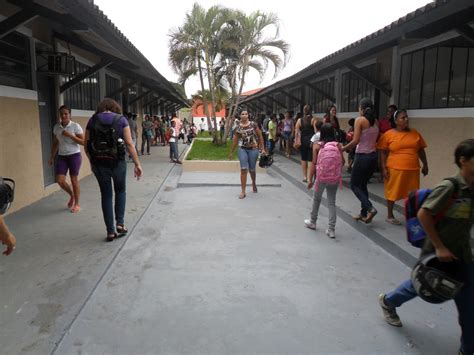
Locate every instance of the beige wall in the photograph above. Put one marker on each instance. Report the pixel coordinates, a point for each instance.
(20, 149)
(442, 135)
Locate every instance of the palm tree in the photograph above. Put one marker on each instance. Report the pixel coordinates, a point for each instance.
(254, 48)
(185, 56)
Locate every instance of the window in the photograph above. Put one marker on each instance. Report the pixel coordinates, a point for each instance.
(355, 88)
(84, 95)
(15, 61)
(319, 101)
(438, 77)
(112, 84)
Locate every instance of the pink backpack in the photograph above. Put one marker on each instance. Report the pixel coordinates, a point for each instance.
(329, 164)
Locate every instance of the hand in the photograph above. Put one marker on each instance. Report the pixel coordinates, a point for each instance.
(50, 161)
(424, 170)
(138, 172)
(310, 185)
(386, 174)
(10, 242)
(445, 255)
(67, 134)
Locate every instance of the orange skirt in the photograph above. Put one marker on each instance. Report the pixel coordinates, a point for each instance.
(400, 183)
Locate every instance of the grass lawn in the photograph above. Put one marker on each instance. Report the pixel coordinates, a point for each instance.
(205, 150)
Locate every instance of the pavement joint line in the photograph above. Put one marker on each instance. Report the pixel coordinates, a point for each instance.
(198, 184)
(109, 265)
(386, 244)
(346, 183)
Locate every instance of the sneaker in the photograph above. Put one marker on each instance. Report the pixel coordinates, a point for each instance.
(389, 313)
(309, 224)
(330, 233)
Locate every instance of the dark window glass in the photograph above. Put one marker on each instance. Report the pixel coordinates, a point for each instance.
(405, 80)
(458, 77)
(415, 80)
(442, 77)
(86, 94)
(469, 96)
(429, 74)
(15, 63)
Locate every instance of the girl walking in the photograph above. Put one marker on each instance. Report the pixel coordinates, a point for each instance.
(328, 160)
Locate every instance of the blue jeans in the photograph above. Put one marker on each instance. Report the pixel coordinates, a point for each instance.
(270, 146)
(174, 151)
(464, 302)
(362, 169)
(105, 175)
(247, 158)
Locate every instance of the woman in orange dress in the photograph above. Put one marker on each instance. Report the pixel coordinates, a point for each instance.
(401, 150)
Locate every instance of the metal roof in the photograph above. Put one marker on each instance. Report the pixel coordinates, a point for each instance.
(432, 19)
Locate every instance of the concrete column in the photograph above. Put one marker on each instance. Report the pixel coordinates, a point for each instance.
(338, 89)
(102, 83)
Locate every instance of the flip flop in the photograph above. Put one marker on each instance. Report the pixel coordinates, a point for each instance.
(75, 209)
(242, 195)
(121, 230)
(393, 221)
(111, 237)
(70, 203)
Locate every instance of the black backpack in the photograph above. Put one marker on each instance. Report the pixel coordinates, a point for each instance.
(105, 146)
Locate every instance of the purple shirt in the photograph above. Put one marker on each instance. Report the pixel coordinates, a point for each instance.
(107, 118)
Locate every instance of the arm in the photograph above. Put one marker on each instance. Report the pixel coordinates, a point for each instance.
(127, 136)
(357, 132)
(7, 237)
(383, 154)
(54, 151)
(428, 223)
(86, 140)
(343, 160)
(260, 139)
(77, 138)
(422, 156)
(235, 141)
(312, 167)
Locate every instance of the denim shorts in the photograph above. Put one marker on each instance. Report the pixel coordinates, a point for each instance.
(248, 158)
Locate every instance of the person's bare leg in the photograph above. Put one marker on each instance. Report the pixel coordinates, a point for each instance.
(390, 205)
(76, 188)
(304, 169)
(253, 176)
(243, 182)
(61, 180)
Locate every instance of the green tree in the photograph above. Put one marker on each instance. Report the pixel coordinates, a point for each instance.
(252, 43)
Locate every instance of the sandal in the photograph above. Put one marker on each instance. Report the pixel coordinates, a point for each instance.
(121, 230)
(242, 195)
(70, 203)
(358, 217)
(111, 237)
(75, 209)
(370, 216)
(393, 221)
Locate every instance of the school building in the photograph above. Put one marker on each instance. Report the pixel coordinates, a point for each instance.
(64, 52)
(423, 62)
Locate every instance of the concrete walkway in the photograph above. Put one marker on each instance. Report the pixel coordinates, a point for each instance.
(203, 272)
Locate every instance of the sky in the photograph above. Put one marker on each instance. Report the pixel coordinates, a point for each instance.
(313, 29)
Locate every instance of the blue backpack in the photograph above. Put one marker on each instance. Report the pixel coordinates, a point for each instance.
(416, 235)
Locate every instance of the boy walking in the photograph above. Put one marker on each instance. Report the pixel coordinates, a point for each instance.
(450, 240)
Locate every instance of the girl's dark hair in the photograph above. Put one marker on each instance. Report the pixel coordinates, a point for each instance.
(368, 112)
(319, 124)
(109, 104)
(351, 122)
(464, 149)
(64, 107)
(328, 134)
(327, 116)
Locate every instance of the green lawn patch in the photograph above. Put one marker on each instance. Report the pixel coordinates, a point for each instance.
(205, 150)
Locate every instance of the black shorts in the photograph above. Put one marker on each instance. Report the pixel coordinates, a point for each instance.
(306, 153)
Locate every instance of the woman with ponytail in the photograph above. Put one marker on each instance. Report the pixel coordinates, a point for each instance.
(304, 127)
(365, 137)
